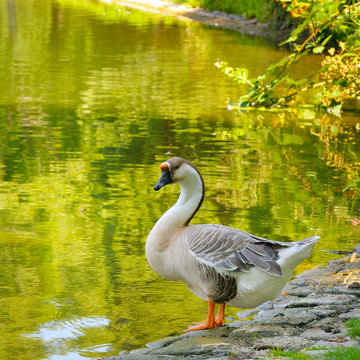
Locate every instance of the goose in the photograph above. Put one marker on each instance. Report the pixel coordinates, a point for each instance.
(219, 264)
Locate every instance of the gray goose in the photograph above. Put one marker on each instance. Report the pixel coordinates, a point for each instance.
(220, 264)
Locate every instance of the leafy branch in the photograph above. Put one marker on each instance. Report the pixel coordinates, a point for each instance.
(337, 80)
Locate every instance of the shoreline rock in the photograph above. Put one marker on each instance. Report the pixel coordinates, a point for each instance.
(215, 18)
(312, 315)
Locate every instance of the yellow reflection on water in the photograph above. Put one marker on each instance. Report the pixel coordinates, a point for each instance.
(92, 101)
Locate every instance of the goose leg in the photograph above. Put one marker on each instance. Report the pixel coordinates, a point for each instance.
(209, 322)
(220, 317)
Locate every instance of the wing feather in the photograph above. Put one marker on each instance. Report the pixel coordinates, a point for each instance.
(262, 263)
(229, 249)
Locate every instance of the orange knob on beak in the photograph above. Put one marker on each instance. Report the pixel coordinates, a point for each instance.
(166, 176)
(164, 166)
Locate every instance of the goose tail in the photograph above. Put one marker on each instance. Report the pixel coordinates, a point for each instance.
(306, 245)
(297, 252)
(309, 240)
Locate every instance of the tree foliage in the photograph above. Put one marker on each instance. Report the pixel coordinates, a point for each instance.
(328, 27)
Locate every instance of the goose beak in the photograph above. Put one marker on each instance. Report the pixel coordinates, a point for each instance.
(165, 177)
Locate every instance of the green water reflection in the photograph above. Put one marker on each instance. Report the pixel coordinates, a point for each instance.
(92, 100)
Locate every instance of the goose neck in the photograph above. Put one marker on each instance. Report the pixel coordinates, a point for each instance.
(179, 215)
(188, 203)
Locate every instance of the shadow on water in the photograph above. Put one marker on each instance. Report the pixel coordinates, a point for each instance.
(93, 99)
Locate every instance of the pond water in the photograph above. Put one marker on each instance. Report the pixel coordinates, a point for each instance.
(92, 99)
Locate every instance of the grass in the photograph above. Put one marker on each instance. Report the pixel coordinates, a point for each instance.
(342, 353)
(353, 326)
(288, 355)
(335, 353)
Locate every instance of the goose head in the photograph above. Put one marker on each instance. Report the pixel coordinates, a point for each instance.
(175, 170)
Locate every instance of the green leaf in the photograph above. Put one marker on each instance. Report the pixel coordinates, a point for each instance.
(318, 49)
(290, 39)
(324, 42)
(243, 104)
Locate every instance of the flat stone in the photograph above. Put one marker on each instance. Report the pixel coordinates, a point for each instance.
(300, 316)
(324, 311)
(220, 332)
(282, 343)
(239, 323)
(282, 302)
(294, 316)
(268, 305)
(163, 342)
(247, 313)
(320, 334)
(248, 353)
(330, 269)
(350, 315)
(140, 357)
(354, 266)
(197, 346)
(267, 316)
(323, 299)
(341, 289)
(325, 287)
(199, 333)
(139, 351)
(331, 324)
(254, 331)
(329, 344)
(304, 281)
(296, 290)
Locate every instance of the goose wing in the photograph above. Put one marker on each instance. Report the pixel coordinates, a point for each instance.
(229, 249)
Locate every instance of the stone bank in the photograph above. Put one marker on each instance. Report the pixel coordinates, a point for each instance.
(309, 315)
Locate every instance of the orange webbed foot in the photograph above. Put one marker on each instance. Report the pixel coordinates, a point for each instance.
(201, 326)
(210, 322)
(220, 317)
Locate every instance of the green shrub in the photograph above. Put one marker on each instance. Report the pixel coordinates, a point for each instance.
(320, 23)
